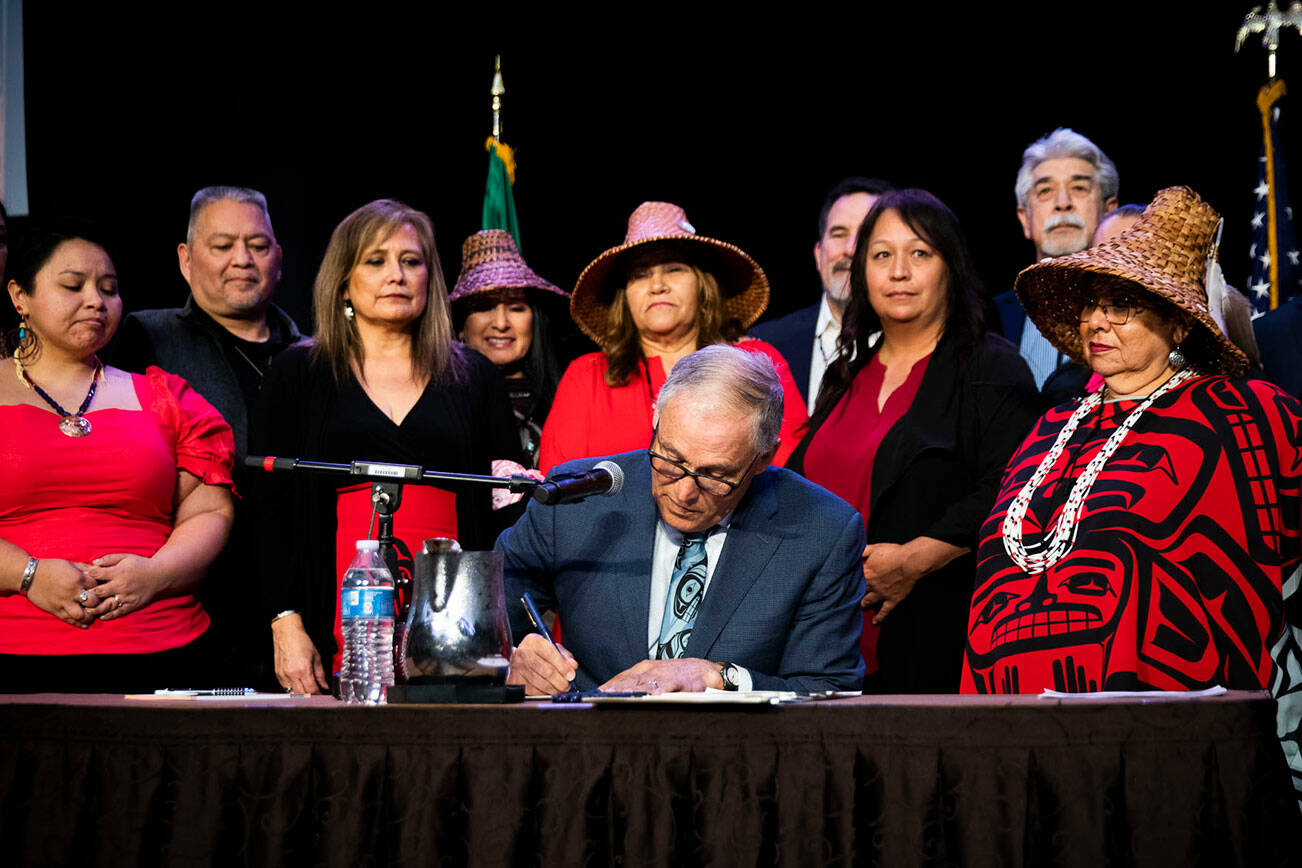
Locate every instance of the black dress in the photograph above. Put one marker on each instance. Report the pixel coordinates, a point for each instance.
(461, 427)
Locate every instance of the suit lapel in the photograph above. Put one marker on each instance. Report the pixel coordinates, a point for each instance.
(746, 552)
(634, 601)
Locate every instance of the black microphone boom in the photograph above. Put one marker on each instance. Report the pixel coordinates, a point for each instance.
(605, 478)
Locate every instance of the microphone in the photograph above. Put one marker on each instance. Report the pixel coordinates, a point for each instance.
(605, 478)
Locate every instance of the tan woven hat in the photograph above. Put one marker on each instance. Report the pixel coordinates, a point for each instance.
(490, 261)
(1165, 253)
(742, 282)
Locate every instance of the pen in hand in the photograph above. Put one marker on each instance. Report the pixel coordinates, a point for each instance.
(536, 617)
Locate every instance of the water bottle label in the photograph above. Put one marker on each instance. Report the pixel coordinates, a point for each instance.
(366, 603)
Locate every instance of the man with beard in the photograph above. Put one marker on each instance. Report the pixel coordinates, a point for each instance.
(807, 338)
(1064, 186)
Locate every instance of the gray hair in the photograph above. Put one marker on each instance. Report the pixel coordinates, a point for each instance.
(745, 382)
(209, 195)
(1064, 143)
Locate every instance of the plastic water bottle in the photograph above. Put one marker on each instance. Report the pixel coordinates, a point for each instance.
(366, 610)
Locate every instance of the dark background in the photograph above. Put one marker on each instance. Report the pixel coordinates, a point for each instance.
(745, 119)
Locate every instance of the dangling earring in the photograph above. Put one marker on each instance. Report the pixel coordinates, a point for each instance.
(348, 309)
(22, 328)
(1176, 357)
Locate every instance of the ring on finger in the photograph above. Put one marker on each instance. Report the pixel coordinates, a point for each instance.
(85, 595)
(117, 601)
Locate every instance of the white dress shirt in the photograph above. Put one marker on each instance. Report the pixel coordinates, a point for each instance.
(826, 330)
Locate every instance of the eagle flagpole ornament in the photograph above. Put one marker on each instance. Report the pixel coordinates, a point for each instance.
(1268, 24)
(1274, 252)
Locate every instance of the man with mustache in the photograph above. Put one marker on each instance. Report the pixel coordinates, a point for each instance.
(807, 338)
(1066, 183)
(222, 341)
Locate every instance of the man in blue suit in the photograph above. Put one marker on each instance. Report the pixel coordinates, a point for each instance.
(807, 338)
(634, 577)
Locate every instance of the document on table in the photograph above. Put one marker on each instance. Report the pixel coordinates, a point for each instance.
(1132, 694)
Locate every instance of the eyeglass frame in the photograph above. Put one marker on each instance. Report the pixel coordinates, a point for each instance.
(697, 477)
(1093, 304)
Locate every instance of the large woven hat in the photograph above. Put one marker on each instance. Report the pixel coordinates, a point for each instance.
(742, 282)
(1165, 253)
(490, 261)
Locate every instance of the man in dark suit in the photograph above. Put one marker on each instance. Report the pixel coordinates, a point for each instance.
(807, 338)
(1065, 184)
(633, 577)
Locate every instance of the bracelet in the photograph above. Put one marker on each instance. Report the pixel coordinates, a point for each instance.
(29, 573)
(284, 614)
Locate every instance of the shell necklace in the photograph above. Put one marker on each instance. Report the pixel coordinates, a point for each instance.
(1064, 530)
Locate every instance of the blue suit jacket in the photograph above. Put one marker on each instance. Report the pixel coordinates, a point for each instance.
(793, 336)
(1012, 316)
(783, 601)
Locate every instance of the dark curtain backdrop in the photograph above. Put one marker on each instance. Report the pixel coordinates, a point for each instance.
(744, 119)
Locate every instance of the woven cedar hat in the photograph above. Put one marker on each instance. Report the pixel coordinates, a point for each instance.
(742, 282)
(1165, 253)
(490, 261)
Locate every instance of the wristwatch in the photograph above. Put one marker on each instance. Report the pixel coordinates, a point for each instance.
(731, 675)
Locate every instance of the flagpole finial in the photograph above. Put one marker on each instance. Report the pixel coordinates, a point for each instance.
(497, 91)
(1268, 21)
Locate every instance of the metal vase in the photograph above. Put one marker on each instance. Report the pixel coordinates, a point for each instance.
(456, 627)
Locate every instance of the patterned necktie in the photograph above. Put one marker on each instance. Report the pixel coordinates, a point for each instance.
(686, 588)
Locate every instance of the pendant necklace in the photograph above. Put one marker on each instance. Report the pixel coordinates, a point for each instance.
(71, 424)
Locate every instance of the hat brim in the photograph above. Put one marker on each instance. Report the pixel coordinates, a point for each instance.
(1053, 292)
(743, 284)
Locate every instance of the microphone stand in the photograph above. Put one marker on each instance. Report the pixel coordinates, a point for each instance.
(386, 496)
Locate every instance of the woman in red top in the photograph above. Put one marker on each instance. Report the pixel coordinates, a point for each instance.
(123, 499)
(914, 422)
(1145, 537)
(662, 294)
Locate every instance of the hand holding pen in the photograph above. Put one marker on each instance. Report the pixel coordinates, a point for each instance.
(539, 663)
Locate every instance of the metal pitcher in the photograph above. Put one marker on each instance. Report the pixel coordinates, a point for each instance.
(456, 627)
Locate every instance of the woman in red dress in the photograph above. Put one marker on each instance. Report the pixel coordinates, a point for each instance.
(662, 294)
(116, 498)
(914, 422)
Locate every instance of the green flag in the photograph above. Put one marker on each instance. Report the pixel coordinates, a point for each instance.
(499, 200)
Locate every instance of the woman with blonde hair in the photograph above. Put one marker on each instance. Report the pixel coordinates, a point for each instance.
(383, 380)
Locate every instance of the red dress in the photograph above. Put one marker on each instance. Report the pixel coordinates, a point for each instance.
(110, 492)
(841, 454)
(591, 418)
(1178, 576)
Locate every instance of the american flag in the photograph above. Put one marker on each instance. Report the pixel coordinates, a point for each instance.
(1274, 248)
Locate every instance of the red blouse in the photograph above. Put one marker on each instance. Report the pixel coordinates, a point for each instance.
(110, 492)
(840, 456)
(591, 418)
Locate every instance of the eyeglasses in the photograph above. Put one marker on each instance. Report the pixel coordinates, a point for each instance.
(673, 471)
(1117, 312)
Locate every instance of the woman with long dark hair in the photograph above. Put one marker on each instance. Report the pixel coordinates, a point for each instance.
(914, 422)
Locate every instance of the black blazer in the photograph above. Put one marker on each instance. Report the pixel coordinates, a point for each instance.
(936, 474)
(793, 336)
(185, 342)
